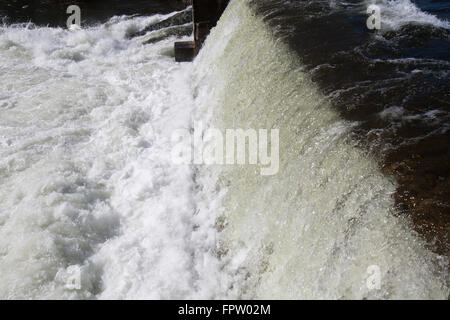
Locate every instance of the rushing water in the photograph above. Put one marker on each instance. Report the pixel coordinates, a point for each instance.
(87, 180)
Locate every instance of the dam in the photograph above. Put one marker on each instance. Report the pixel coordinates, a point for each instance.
(92, 205)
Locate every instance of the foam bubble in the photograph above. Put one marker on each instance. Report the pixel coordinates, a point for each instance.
(398, 13)
(87, 185)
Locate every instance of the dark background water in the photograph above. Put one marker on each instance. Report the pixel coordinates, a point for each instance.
(439, 8)
(395, 85)
(53, 12)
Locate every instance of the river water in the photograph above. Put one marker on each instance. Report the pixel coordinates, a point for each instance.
(88, 187)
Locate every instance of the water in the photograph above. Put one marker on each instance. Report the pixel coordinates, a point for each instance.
(87, 181)
(53, 12)
(392, 84)
(86, 173)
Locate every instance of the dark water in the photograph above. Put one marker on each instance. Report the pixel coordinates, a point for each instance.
(394, 84)
(53, 12)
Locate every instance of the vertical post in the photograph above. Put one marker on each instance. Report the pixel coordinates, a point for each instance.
(206, 13)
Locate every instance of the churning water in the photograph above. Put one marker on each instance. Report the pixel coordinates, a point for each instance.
(87, 180)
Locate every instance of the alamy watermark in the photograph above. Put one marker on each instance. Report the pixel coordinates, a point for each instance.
(233, 146)
(373, 280)
(374, 20)
(70, 277)
(74, 19)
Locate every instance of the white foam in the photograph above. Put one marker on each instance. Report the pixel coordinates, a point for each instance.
(86, 178)
(87, 182)
(398, 13)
